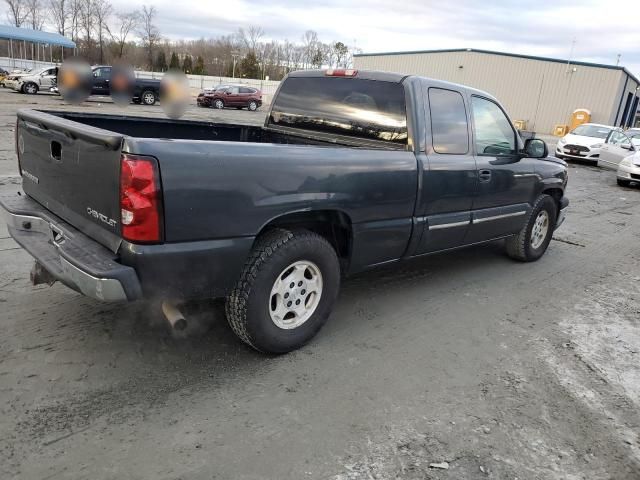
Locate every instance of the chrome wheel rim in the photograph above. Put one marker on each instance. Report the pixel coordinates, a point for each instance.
(218, 104)
(253, 106)
(295, 294)
(31, 89)
(149, 98)
(540, 229)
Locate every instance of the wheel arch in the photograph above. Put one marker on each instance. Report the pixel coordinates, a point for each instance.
(333, 225)
(556, 193)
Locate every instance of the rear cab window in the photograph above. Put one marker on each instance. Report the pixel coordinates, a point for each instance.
(449, 126)
(357, 108)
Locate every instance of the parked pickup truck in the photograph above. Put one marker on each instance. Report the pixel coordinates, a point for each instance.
(351, 170)
(145, 90)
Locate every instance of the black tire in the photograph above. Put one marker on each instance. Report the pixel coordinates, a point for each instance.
(218, 103)
(148, 97)
(30, 88)
(247, 307)
(519, 247)
(623, 183)
(252, 106)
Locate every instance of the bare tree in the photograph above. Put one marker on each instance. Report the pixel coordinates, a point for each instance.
(18, 12)
(36, 14)
(309, 42)
(127, 23)
(59, 13)
(75, 17)
(102, 10)
(250, 38)
(87, 25)
(148, 32)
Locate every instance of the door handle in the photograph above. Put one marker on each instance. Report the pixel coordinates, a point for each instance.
(484, 175)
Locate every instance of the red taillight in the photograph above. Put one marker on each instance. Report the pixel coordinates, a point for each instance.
(140, 199)
(341, 72)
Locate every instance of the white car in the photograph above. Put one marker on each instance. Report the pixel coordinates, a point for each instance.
(584, 142)
(31, 83)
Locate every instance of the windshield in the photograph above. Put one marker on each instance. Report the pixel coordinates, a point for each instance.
(594, 131)
(367, 109)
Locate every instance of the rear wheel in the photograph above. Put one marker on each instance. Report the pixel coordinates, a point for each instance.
(219, 104)
(30, 88)
(623, 183)
(252, 106)
(534, 238)
(286, 292)
(148, 97)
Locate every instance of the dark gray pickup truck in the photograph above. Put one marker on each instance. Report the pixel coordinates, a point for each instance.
(351, 170)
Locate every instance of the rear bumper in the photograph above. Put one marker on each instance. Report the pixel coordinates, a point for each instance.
(66, 253)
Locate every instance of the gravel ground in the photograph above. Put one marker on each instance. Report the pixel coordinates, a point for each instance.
(500, 369)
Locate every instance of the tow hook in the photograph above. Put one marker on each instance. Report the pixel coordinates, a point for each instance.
(40, 275)
(174, 316)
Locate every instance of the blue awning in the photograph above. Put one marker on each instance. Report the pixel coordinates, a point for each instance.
(35, 36)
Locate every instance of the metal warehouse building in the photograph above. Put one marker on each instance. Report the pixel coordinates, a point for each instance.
(543, 92)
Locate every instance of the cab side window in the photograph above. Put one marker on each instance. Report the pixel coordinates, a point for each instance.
(619, 138)
(494, 133)
(449, 126)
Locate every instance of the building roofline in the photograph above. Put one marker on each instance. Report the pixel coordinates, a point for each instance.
(505, 54)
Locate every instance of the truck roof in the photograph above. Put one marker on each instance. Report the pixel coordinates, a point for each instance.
(396, 78)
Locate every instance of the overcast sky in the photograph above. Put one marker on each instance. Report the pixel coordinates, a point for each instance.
(602, 29)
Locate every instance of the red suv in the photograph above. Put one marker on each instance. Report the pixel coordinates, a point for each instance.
(232, 96)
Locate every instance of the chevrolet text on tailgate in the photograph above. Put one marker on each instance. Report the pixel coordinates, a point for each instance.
(351, 170)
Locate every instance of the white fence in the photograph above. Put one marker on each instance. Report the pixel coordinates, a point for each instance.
(17, 63)
(199, 82)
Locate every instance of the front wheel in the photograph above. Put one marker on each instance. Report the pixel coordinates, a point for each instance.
(148, 97)
(286, 291)
(30, 88)
(534, 238)
(219, 104)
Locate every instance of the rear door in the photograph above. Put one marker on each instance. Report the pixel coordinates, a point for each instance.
(449, 175)
(506, 182)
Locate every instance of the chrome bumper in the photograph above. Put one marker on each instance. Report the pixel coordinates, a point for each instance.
(54, 246)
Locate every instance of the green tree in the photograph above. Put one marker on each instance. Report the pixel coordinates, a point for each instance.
(161, 62)
(199, 68)
(340, 52)
(187, 64)
(249, 66)
(174, 64)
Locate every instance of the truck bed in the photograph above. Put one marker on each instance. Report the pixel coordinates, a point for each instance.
(164, 128)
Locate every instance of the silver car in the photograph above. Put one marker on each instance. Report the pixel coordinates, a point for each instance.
(618, 146)
(629, 170)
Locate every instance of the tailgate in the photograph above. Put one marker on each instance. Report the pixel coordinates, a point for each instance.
(73, 170)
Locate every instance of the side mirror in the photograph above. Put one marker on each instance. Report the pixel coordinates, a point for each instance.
(535, 148)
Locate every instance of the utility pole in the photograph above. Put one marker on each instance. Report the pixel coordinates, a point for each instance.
(235, 56)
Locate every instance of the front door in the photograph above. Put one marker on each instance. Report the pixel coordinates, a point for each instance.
(506, 181)
(449, 179)
(232, 97)
(617, 147)
(101, 80)
(47, 78)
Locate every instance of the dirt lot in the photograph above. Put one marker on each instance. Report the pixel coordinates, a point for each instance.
(502, 370)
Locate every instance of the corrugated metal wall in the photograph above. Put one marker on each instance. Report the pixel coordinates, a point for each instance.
(543, 93)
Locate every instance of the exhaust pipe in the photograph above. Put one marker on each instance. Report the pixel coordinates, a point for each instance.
(174, 316)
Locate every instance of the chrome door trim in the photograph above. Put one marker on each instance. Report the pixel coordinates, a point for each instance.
(499, 217)
(448, 225)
